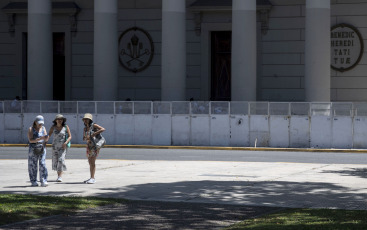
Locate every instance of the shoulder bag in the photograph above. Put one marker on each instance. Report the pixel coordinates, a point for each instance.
(38, 148)
(98, 141)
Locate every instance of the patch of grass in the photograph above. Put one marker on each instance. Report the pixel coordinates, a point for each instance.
(324, 219)
(15, 208)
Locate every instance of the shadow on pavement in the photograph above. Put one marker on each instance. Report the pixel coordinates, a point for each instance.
(263, 193)
(204, 204)
(356, 172)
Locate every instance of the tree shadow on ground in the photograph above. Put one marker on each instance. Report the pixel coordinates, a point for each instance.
(355, 172)
(202, 204)
(262, 193)
(254, 193)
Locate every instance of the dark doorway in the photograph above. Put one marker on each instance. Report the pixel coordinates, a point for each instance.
(221, 65)
(59, 66)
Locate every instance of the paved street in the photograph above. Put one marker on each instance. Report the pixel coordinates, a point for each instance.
(276, 183)
(241, 179)
(210, 154)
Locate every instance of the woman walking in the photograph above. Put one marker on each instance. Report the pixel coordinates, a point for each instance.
(92, 135)
(60, 144)
(37, 137)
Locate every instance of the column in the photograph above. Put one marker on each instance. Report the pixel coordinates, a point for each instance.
(243, 78)
(40, 51)
(105, 50)
(317, 50)
(173, 83)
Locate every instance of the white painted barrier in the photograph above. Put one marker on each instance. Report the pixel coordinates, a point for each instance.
(299, 132)
(318, 125)
(13, 125)
(200, 131)
(342, 132)
(320, 132)
(142, 129)
(239, 131)
(181, 125)
(279, 131)
(161, 129)
(360, 132)
(124, 129)
(219, 130)
(2, 128)
(259, 131)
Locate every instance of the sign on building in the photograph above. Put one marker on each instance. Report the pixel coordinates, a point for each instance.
(346, 47)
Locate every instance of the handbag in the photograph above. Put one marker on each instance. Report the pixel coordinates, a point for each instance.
(98, 141)
(38, 149)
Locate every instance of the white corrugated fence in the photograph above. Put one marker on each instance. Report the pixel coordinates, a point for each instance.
(341, 125)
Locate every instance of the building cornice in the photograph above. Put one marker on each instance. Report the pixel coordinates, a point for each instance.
(69, 8)
(199, 7)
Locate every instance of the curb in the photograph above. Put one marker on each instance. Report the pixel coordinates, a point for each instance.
(212, 148)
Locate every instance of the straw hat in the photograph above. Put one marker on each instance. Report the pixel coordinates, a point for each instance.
(59, 116)
(88, 116)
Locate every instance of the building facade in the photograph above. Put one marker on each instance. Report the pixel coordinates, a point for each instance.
(177, 50)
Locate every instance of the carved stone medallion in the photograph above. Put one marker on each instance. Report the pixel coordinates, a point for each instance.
(136, 49)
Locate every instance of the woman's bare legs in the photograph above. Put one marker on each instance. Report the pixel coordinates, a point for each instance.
(92, 166)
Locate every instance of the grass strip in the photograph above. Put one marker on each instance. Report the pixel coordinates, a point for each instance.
(16, 208)
(325, 219)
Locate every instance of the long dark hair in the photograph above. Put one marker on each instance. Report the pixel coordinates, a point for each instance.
(90, 123)
(63, 123)
(34, 125)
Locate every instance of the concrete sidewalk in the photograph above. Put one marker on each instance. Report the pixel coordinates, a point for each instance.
(213, 148)
(293, 185)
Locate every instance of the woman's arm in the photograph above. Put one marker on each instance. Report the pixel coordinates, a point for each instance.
(45, 137)
(99, 129)
(30, 136)
(50, 132)
(69, 135)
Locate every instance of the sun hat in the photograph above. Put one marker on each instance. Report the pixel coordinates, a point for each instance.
(88, 116)
(59, 116)
(39, 120)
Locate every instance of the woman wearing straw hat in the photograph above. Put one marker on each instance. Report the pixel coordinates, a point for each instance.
(60, 144)
(91, 132)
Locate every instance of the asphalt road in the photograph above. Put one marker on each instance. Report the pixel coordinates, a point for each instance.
(202, 155)
(200, 189)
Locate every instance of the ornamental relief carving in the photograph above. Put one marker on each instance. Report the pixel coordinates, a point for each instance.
(136, 49)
